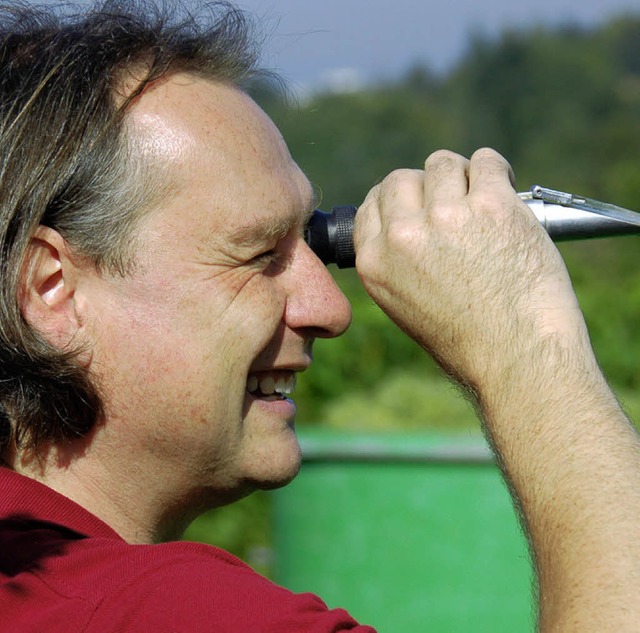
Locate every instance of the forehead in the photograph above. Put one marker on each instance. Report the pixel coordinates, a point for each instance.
(226, 161)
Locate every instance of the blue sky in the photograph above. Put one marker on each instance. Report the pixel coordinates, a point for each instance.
(325, 42)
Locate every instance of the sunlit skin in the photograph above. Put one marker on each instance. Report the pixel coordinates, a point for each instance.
(224, 287)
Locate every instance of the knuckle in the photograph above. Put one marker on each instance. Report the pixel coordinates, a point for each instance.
(490, 161)
(397, 178)
(444, 162)
(402, 187)
(401, 236)
(483, 153)
(442, 155)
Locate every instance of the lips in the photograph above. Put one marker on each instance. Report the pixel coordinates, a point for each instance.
(270, 383)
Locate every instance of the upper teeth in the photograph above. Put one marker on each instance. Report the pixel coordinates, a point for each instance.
(284, 384)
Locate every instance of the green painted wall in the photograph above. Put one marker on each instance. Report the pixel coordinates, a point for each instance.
(407, 532)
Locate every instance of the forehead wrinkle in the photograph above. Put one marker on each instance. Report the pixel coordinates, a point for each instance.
(272, 225)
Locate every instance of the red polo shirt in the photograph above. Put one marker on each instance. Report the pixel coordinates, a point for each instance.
(64, 570)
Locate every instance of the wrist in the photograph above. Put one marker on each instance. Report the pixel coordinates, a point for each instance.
(546, 378)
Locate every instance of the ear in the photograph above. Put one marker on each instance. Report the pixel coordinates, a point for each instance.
(47, 288)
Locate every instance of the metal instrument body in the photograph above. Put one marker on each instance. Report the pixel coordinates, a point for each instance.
(564, 216)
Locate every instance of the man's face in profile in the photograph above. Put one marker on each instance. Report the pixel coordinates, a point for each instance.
(194, 350)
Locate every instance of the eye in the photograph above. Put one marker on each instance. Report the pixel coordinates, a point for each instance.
(272, 256)
(277, 257)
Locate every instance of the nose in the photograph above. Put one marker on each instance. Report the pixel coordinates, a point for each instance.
(314, 301)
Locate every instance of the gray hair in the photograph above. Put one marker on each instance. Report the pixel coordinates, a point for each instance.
(67, 162)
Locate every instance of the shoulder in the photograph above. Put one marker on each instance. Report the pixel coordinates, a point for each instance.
(190, 586)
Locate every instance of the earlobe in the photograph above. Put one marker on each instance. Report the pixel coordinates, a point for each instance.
(47, 288)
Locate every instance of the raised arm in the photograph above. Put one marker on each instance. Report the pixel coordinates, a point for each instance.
(461, 264)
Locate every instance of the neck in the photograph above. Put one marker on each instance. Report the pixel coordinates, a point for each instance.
(142, 509)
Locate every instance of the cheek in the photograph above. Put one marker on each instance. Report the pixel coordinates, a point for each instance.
(251, 315)
(210, 334)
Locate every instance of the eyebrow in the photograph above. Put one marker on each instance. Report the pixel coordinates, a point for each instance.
(274, 227)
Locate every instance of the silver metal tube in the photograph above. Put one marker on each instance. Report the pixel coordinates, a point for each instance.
(568, 217)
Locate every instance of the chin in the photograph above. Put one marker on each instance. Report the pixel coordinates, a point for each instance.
(278, 482)
(274, 465)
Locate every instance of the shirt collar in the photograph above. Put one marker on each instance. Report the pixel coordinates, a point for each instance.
(26, 498)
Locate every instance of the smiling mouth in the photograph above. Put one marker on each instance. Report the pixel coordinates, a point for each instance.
(271, 384)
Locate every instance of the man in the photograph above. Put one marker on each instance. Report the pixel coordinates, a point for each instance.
(158, 299)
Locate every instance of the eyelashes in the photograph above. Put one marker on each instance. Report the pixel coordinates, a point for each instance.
(272, 260)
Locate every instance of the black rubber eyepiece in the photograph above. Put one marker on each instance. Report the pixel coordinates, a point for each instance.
(330, 236)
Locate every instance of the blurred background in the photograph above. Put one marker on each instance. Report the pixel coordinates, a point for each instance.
(552, 84)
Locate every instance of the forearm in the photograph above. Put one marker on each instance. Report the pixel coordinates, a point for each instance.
(572, 460)
(456, 259)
